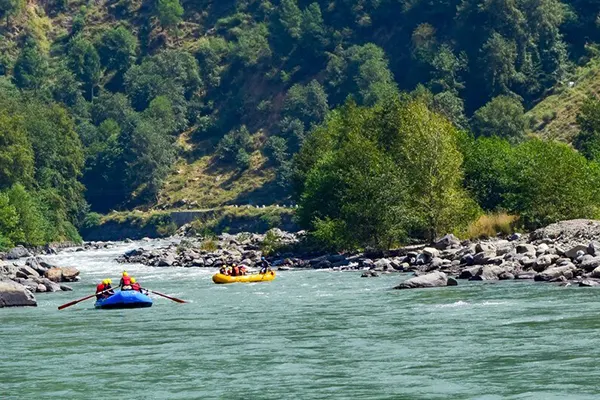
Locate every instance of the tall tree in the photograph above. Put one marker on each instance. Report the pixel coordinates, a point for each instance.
(84, 61)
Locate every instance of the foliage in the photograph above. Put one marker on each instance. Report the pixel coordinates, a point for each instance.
(234, 147)
(84, 62)
(169, 12)
(588, 139)
(490, 225)
(31, 67)
(503, 117)
(117, 49)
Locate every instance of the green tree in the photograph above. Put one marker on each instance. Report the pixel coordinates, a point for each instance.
(308, 103)
(84, 61)
(587, 140)
(32, 225)
(233, 145)
(16, 154)
(552, 182)
(169, 13)
(9, 223)
(252, 44)
(290, 17)
(276, 150)
(31, 68)
(498, 59)
(503, 117)
(117, 48)
(11, 8)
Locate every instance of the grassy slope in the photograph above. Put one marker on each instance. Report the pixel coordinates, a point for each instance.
(196, 176)
(554, 117)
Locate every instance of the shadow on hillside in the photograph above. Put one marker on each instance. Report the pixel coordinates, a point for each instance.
(268, 194)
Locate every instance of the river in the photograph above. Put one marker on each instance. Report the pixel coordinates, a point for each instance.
(306, 335)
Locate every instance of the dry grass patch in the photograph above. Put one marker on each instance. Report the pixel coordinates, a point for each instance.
(490, 225)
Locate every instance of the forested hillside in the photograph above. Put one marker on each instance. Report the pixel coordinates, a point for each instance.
(111, 105)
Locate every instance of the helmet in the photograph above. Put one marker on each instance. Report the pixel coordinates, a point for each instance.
(132, 280)
(105, 281)
(125, 273)
(109, 281)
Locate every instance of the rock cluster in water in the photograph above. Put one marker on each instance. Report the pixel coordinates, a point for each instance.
(18, 283)
(566, 252)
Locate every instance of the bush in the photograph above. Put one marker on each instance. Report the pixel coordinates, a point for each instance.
(209, 245)
(91, 220)
(490, 225)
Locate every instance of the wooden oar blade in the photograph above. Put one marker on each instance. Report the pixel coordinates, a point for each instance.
(167, 297)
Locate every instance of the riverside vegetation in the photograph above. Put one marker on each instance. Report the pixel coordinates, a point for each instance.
(385, 121)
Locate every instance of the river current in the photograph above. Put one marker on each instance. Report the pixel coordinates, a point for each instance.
(306, 335)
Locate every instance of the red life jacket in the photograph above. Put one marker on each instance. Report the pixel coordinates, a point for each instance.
(100, 287)
(126, 281)
(136, 286)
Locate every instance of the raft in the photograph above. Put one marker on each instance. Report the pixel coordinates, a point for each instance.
(125, 299)
(220, 278)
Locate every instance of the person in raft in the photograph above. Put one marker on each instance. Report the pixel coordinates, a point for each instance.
(243, 270)
(264, 265)
(135, 285)
(235, 270)
(101, 287)
(125, 283)
(223, 270)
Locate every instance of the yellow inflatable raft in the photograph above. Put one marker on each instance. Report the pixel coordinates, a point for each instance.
(220, 278)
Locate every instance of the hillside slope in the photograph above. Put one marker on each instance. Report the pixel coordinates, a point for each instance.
(555, 116)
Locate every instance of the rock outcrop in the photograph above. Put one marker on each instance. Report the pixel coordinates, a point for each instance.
(13, 294)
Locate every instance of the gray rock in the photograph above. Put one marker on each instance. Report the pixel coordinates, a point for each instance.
(504, 250)
(370, 274)
(595, 273)
(166, 261)
(447, 242)
(40, 288)
(66, 288)
(36, 265)
(468, 273)
(483, 258)
(467, 259)
(525, 275)
(433, 279)
(542, 262)
(488, 273)
(69, 274)
(452, 282)
(590, 264)
(594, 248)
(542, 249)
(435, 264)
(514, 236)
(576, 251)
(431, 252)
(588, 283)
(484, 248)
(13, 294)
(50, 285)
(54, 274)
(382, 264)
(526, 249)
(17, 252)
(556, 272)
(26, 271)
(506, 276)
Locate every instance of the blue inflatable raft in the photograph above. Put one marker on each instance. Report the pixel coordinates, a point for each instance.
(125, 299)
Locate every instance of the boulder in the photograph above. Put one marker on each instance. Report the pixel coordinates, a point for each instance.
(483, 258)
(17, 252)
(526, 249)
(431, 252)
(26, 271)
(542, 249)
(594, 248)
(13, 294)
(576, 251)
(514, 236)
(69, 274)
(556, 272)
(40, 288)
(66, 288)
(588, 283)
(451, 282)
(595, 273)
(54, 274)
(134, 252)
(382, 264)
(526, 275)
(488, 273)
(505, 275)
(369, 274)
(433, 279)
(166, 261)
(468, 273)
(541, 263)
(36, 265)
(484, 248)
(590, 264)
(51, 286)
(447, 242)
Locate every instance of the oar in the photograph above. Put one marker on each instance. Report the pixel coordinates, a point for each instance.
(82, 299)
(165, 296)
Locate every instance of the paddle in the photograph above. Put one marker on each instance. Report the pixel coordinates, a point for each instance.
(165, 296)
(82, 299)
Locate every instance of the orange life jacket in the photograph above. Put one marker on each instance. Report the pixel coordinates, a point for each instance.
(236, 271)
(136, 286)
(126, 281)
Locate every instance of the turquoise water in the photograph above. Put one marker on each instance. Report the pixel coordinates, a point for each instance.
(306, 335)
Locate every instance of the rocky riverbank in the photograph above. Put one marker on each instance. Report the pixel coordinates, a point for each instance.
(567, 252)
(18, 283)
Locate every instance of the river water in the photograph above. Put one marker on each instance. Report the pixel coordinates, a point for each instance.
(306, 335)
